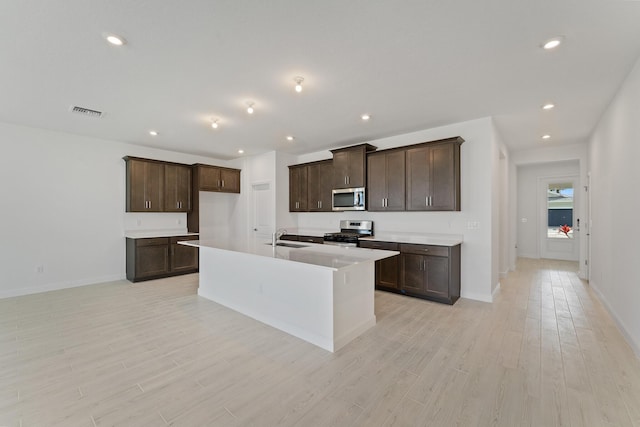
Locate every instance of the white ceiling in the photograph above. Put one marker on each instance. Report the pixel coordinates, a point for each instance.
(411, 64)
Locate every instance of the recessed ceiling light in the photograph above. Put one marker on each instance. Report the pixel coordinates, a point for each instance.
(548, 106)
(153, 133)
(289, 138)
(547, 136)
(250, 107)
(365, 117)
(240, 151)
(214, 124)
(114, 39)
(552, 43)
(298, 81)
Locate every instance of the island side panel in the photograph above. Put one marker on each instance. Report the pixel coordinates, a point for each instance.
(353, 302)
(294, 297)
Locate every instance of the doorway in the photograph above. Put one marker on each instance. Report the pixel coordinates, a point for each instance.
(263, 210)
(559, 234)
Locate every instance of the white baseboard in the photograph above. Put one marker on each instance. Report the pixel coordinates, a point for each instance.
(57, 286)
(495, 291)
(635, 346)
(477, 297)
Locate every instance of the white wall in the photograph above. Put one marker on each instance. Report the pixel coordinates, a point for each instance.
(528, 202)
(615, 174)
(478, 155)
(499, 211)
(63, 202)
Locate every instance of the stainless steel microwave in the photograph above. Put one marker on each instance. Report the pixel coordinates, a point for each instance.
(348, 199)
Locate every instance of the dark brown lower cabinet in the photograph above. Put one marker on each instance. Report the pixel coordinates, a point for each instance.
(300, 238)
(158, 257)
(431, 272)
(387, 270)
(423, 271)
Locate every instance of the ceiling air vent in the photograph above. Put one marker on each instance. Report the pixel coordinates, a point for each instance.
(86, 112)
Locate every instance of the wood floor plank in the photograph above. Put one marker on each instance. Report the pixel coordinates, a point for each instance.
(544, 353)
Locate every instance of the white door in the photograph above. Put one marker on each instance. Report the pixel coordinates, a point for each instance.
(263, 210)
(558, 218)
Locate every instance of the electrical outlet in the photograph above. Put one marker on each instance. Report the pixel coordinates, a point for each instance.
(40, 269)
(139, 222)
(179, 221)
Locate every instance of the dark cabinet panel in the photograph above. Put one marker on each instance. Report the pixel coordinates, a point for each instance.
(386, 181)
(432, 272)
(298, 190)
(154, 258)
(144, 185)
(209, 178)
(433, 176)
(214, 178)
(320, 184)
(177, 188)
(387, 270)
(350, 166)
(183, 258)
(230, 180)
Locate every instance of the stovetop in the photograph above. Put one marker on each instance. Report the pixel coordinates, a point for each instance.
(350, 231)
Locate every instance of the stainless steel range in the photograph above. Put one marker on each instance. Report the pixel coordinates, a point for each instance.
(350, 232)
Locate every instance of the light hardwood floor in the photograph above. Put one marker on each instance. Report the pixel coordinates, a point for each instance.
(545, 353)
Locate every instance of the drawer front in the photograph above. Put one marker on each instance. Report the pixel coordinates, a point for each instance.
(311, 239)
(183, 238)
(291, 237)
(387, 246)
(152, 241)
(425, 250)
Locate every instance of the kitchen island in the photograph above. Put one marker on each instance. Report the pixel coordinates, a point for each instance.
(322, 294)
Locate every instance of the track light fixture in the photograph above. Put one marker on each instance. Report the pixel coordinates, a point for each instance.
(298, 81)
(250, 107)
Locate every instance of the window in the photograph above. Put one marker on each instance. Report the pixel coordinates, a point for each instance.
(560, 210)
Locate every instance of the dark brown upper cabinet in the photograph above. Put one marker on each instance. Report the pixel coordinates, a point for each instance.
(298, 188)
(145, 185)
(350, 166)
(214, 178)
(177, 188)
(386, 181)
(433, 176)
(319, 185)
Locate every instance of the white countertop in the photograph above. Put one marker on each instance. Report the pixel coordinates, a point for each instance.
(416, 238)
(146, 234)
(329, 256)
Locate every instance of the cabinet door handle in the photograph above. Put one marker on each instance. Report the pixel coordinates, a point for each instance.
(320, 204)
(424, 264)
(223, 182)
(149, 204)
(430, 201)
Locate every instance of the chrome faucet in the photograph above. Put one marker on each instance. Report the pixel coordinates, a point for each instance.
(277, 235)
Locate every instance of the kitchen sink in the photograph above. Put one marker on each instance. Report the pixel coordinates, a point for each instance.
(289, 245)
